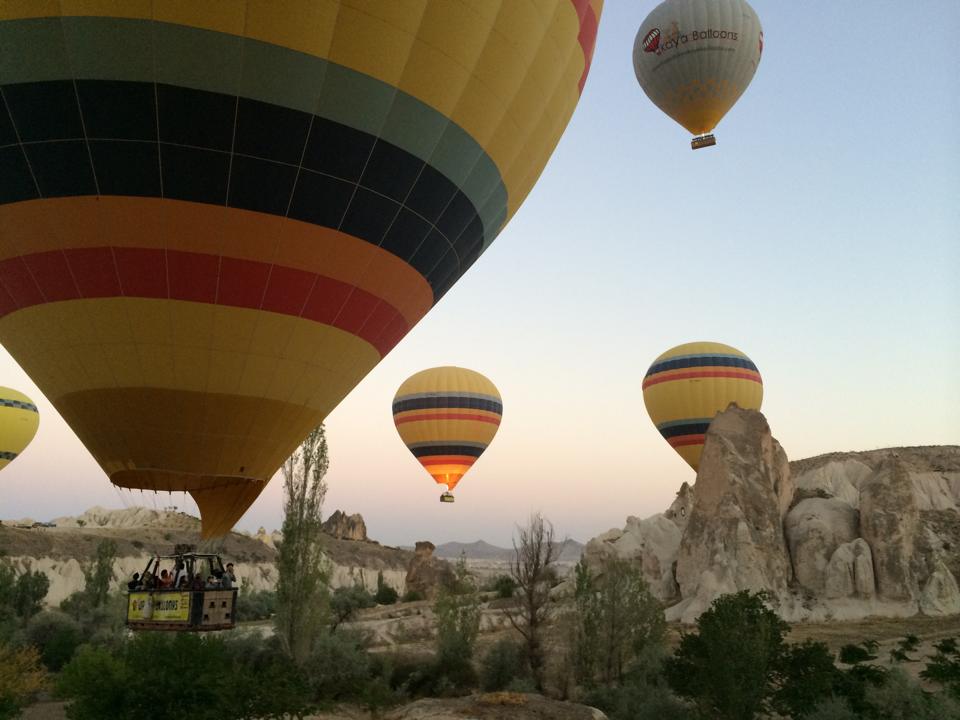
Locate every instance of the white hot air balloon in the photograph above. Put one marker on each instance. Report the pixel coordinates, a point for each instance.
(694, 59)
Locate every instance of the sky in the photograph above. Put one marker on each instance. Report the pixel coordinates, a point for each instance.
(821, 237)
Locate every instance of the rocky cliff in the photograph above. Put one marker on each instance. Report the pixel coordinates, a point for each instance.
(840, 536)
(63, 547)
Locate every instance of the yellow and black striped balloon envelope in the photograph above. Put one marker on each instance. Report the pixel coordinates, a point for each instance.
(447, 416)
(19, 420)
(217, 216)
(689, 384)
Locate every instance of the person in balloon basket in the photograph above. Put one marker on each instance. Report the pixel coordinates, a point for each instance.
(229, 578)
(135, 583)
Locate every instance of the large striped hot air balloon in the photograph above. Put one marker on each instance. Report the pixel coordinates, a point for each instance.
(19, 420)
(217, 217)
(447, 416)
(694, 59)
(689, 384)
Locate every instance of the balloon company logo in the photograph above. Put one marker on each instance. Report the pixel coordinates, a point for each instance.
(674, 39)
(652, 41)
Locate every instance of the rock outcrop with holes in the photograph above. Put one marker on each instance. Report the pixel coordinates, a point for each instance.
(426, 573)
(346, 527)
(734, 537)
(841, 536)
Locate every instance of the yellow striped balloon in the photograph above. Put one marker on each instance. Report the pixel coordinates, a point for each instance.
(19, 420)
(217, 216)
(689, 384)
(447, 416)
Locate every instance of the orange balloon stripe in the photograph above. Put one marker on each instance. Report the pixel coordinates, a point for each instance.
(494, 420)
(682, 440)
(168, 274)
(587, 37)
(687, 375)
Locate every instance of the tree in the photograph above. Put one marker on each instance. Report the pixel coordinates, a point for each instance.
(302, 596)
(618, 619)
(98, 575)
(28, 593)
(728, 667)
(457, 612)
(806, 677)
(531, 568)
(385, 595)
(21, 677)
(346, 601)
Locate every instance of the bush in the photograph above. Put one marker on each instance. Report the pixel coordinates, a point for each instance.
(256, 604)
(901, 698)
(643, 695)
(504, 585)
(503, 663)
(412, 596)
(338, 667)
(386, 595)
(56, 635)
(21, 678)
(346, 601)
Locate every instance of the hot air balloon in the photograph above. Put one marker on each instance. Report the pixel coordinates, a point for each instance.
(216, 218)
(694, 59)
(19, 420)
(689, 384)
(447, 416)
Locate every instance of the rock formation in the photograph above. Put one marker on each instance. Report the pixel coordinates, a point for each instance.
(734, 535)
(839, 536)
(426, 573)
(346, 527)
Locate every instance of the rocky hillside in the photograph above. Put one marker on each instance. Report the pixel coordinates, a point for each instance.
(839, 536)
(567, 551)
(62, 547)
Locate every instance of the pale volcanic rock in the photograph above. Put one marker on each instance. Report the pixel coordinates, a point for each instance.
(815, 528)
(345, 527)
(652, 544)
(734, 536)
(680, 507)
(840, 479)
(889, 520)
(940, 595)
(849, 572)
(426, 573)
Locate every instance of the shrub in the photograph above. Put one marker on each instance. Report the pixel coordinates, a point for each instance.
(346, 601)
(728, 684)
(256, 604)
(386, 595)
(412, 596)
(643, 695)
(503, 663)
(56, 635)
(504, 585)
(339, 667)
(21, 678)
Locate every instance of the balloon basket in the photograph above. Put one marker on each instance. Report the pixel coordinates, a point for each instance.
(446, 498)
(702, 141)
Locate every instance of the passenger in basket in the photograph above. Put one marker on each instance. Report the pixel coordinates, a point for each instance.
(135, 583)
(166, 580)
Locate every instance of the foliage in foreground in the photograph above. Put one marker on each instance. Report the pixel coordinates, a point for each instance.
(21, 677)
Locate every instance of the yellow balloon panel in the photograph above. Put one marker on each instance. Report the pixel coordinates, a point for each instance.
(688, 385)
(19, 420)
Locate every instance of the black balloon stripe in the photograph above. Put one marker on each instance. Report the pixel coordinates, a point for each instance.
(462, 403)
(688, 429)
(434, 450)
(703, 361)
(180, 144)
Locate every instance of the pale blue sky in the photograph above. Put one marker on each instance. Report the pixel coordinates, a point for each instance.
(821, 237)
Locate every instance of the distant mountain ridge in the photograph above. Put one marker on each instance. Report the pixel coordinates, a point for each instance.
(570, 551)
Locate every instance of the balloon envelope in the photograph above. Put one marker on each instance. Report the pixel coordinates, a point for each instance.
(19, 420)
(694, 58)
(217, 217)
(688, 385)
(447, 416)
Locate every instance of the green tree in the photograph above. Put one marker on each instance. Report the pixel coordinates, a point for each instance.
(302, 593)
(56, 635)
(503, 664)
(534, 554)
(385, 594)
(728, 667)
(29, 591)
(806, 676)
(457, 613)
(944, 667)
(618, 619)
(346, 601)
